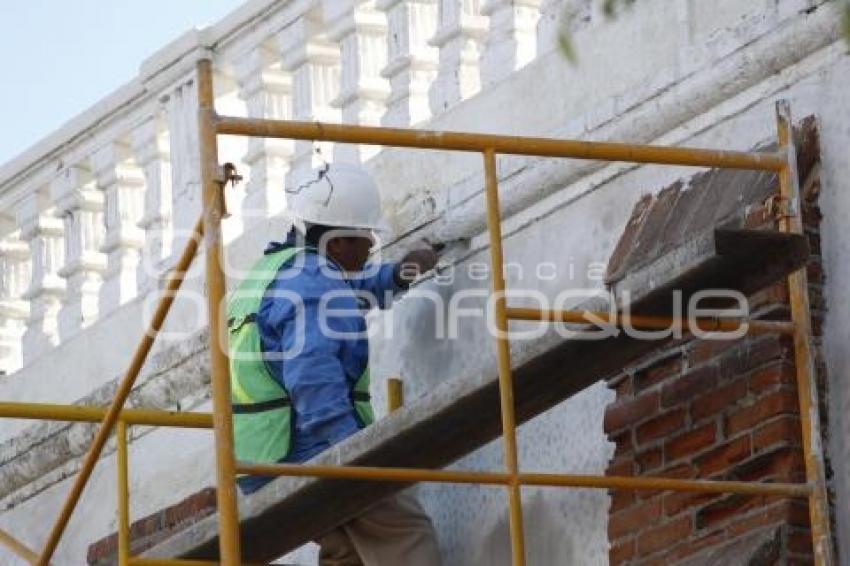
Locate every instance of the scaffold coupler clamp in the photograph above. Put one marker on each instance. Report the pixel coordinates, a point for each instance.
(227, 173)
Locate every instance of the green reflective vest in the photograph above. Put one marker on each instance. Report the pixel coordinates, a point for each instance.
(262, 411)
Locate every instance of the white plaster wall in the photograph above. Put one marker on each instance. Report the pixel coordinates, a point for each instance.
(709, 77)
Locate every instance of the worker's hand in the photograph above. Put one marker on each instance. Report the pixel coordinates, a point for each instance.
(414, 264)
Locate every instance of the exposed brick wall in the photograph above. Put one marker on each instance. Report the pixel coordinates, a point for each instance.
(156, 527)
(724, 410)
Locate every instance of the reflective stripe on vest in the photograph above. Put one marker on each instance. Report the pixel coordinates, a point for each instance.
(262, 410)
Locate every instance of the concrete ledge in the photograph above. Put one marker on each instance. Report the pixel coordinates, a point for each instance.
(463, 414)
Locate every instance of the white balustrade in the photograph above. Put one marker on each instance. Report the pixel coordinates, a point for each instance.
(412, 61)
(512, 40)
(360, 29)
(314, 63)
(460, 34)
(267, 92)
(150, 146)
(43, 233)
(14, 311)
(102, 215)
(122, 183)
(180, 104)
(80, 206)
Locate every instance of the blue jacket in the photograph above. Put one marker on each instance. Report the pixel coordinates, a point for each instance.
(319, 378)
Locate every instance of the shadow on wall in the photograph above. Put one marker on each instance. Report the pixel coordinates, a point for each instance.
(545, 543)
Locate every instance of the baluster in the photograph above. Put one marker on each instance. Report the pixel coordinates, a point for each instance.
(412, 61)
(14, 311)
(122, 183)
(181, 110)
(150, 147)
(42, 231)
(313, 62)
(267, 92)
(512, 40)
(459, 35)
(80, 206)
(361, 32)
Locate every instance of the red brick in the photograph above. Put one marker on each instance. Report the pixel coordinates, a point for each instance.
(634, 519)
(769, 347)
(814, 270)
(771, 376)
(663, 536)
(680, 471)
(623, 443)
(625, 387)
(701, 351)
(800, 540)
(782, 464)
(621, 467)
(658, 372)
(689, 385)
(621, 552)
(148, 531)
(690, 442)
(660, 426)
(627, 413)
(723, 456)
(727, 508)
(693, 546)
(783, 430)
(649, 460)
(621, 499)
(716, 401)
(773, 514)
(677, 501)
(798, 514)
(752, 354)
(758, 217)
(774, 294)
(783, 401)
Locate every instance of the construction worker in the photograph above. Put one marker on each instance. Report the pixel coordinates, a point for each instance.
(299, 353)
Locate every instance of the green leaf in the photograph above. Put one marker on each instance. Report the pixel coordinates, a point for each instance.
(565, 43)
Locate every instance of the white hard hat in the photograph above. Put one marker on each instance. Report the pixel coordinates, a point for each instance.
(336, 194)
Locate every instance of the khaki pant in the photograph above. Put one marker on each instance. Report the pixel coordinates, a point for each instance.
(395, 532)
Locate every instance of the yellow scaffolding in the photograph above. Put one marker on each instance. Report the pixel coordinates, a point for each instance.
(213, 178)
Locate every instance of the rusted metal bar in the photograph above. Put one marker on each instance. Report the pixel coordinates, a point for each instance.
(510, 145)
(414, 475)
(212, 193)
(807, 392)
(87, 414)
(395, 394)
(123, 482)
(653, 322)
(17, 547)
(175, 279)
(503, 356)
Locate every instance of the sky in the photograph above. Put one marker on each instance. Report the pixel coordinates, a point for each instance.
(60, 57)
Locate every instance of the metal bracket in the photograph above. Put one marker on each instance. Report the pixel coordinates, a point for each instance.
(226, 174)
(779, 207)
